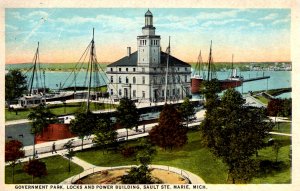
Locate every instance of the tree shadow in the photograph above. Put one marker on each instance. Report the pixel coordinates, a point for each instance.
(267, 167)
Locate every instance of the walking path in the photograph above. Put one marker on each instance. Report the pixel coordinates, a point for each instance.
(193, 178)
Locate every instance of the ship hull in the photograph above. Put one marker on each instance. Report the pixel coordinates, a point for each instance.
(226, 84)
(195, 85)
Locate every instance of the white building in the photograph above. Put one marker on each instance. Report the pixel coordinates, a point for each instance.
(142, 75)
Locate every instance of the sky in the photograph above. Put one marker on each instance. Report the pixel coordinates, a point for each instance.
(252, 35)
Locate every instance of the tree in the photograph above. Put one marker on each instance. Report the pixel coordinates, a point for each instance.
(15, 85)
(235, 133)
(127, 114)
(35, 168)
(41, 117)
(169, 132)
(13, 152)
(70, 153)
(82, 125)
(104, 133)
(142, 173)
(187, 110)
(210, 90)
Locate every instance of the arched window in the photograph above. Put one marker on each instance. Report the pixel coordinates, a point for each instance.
(120, 79)
(111, 79)
(133, 80)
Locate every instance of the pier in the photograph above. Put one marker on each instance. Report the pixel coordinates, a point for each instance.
(258, 78)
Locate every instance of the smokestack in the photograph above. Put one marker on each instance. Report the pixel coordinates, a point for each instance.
(128, 51)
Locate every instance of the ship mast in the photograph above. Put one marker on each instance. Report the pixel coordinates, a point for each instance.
(90, 66)
(232, 66)
(209, 62)
(168, 52)
(34, 68)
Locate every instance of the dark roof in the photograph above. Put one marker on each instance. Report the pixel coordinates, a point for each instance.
(148, 13)
(132, 61)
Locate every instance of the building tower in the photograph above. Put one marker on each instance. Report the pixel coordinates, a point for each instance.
(148, 44)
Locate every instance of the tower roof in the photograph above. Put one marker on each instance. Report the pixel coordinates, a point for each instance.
(148, 13)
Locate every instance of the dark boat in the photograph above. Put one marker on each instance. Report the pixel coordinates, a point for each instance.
(197, 78)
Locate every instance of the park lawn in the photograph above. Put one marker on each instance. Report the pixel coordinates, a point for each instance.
(192, 157)
(283, 127)
(11, 115)
(196, 159)
(57, 168)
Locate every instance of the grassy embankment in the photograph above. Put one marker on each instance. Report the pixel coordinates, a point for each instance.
(199, 160)
(59, 109)
(57, 168)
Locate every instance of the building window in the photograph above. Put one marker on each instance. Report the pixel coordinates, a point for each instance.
(143, 94)
(163, 93)
(143, 80)
(168, 93)
(154, 80)
(185, 78)
(163, 80)
(154, 68)
(173, 91)
(178, 79)
(134, 93)
(111, 69)
(126, 69)
(120, 92)
(133, 80)
(120, 69)
(127, 80)
(111, 92)
(120, 80)
(143, 69)
(111, 79)
(134, 69)
(178, 91)
(185, 69)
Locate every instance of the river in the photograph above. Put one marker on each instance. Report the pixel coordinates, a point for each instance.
(278, 79)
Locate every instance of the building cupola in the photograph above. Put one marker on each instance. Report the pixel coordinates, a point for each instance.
(148, 19)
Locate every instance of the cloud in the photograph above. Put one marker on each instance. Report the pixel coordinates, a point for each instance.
(281, 21)
(17, 15)
(11, 27)
(270, 16)
(223, 22)
(254, 24)
(38, 14)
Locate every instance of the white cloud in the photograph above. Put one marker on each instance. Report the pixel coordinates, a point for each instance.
(270, 16)
(254, 24)
(11, 27)
(38, 14)
(17, 16)
(281, 21)
(223, 22)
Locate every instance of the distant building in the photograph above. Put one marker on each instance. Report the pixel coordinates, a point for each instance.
(142, 75)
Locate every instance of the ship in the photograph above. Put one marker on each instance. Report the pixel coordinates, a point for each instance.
(38, 93)
(197, 78)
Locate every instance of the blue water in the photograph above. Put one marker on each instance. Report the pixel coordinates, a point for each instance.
(285, 95)
(54, 80)
(278, 79)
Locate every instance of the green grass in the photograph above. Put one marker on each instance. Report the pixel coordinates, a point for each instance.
(262, 99)
(283, 127)
(58, 110)
(57, 168)
(197, 159)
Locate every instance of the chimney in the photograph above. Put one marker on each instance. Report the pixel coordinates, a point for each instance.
(128, 51)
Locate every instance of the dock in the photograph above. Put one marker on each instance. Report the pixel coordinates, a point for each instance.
(258, 78)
